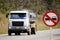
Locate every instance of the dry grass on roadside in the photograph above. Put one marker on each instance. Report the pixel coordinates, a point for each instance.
(3, 24)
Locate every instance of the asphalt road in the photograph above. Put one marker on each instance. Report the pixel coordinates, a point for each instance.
(40, 35)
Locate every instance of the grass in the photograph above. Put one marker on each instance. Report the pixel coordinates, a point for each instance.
(3, 24)
(39, 22)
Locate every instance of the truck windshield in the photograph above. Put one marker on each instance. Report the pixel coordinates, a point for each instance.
(18, 16)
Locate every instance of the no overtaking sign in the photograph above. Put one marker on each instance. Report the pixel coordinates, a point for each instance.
(50, 18)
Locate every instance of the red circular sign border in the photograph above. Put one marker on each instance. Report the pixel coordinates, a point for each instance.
(54, 13)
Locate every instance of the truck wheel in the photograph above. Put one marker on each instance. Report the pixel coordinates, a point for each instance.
(18, 33)
(28, 33)
(15, 33)
(33, 31)
(9, 33)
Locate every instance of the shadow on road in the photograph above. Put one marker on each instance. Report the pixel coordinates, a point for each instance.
(22, 34)
(56, 34)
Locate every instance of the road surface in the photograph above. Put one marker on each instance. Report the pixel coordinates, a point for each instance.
(40, 35)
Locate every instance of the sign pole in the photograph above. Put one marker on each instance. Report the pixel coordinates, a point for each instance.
(51, 33)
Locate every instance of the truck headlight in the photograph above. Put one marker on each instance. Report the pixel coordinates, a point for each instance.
(25, 27)
(9, 27)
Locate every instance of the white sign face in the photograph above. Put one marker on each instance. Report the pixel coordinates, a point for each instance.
(50, 19)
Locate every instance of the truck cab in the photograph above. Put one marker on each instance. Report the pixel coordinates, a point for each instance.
(19, 22)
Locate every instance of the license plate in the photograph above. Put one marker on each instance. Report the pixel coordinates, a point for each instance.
(17, 27)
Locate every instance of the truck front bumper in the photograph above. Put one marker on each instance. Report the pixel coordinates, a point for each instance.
(18, 30)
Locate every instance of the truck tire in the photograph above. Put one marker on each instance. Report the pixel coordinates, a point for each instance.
(28, 33)
(33, 31)
(9, 33)
(16, 33)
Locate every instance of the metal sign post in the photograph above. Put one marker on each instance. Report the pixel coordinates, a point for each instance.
(51, 33)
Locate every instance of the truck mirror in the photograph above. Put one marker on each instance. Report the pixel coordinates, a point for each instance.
(7, 15)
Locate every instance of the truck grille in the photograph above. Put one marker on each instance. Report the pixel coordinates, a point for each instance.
(17, 23)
